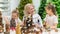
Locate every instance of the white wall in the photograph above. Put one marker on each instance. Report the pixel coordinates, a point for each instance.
(36, 4)
(14, 4)
(5, 7)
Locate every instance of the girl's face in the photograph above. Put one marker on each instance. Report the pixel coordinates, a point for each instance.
(14, 15)
(31, 9)
(48, 11)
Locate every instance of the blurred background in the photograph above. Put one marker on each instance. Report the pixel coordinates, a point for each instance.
(7, 6)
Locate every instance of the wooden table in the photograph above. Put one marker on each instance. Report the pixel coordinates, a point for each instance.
(51, 32)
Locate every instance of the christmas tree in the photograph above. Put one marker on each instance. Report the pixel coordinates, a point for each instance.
(42, 9)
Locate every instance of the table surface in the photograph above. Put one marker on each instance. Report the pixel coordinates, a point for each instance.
(51, 32)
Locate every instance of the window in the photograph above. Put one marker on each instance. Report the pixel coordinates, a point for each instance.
(4, 5)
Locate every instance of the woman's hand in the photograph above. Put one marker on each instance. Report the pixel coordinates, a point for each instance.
(37, 25)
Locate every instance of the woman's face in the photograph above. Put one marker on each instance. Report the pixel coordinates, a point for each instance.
(31, 9)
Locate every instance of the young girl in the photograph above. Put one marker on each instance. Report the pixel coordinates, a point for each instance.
(51, 19)
(14, 20)
(29, 10)
(1, 23)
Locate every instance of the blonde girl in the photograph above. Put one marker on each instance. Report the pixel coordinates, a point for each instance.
(29, 9)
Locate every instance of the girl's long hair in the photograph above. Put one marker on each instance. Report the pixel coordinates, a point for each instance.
(50, 6)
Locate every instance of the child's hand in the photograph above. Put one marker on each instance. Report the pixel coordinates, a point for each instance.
(52, 27)
(22, 23)
(6, 20)
(47, 25)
